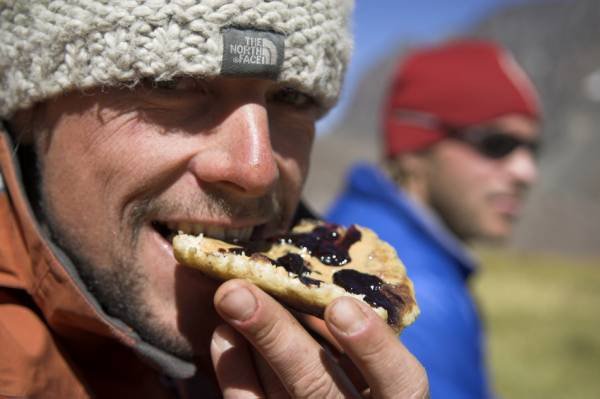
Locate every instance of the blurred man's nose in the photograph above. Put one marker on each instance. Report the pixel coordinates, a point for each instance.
(522, 166)
(241, 156)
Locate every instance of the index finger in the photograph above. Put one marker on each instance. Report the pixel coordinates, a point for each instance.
(388, 367)
(301, 364)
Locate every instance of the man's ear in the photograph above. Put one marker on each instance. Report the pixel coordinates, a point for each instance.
(410, 172)
(408, 167)
(21, 126)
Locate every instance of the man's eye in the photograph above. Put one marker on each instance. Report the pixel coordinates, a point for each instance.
(294, 98)
(180, 84)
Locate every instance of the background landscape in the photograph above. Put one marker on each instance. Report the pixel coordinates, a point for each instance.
(540, 294)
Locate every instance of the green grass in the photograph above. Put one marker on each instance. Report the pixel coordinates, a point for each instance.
(542, 316)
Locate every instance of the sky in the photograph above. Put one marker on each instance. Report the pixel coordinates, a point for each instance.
(382, 25)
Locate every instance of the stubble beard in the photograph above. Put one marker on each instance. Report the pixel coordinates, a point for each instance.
(121, 286)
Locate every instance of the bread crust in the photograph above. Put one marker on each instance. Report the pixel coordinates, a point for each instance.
(313, 289)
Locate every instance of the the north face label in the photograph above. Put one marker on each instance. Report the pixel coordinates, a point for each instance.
(256, 50)
(249, 52)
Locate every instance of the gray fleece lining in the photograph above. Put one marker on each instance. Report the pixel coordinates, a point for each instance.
(165, 362)
(171, 365)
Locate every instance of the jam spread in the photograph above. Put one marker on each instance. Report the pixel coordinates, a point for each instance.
(295, 264)
(332, 249)
(375, 291)
(323, 242)
(291, 262)
(326, 244)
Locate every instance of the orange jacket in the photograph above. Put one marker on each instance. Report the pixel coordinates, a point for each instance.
(55, 341)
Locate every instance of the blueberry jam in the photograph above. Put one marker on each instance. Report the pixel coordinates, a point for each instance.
(326, 244)
(323, 242)
(293, 263)
(376, 293)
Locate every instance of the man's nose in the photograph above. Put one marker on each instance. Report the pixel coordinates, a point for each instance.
(522, 165)
(240, 155)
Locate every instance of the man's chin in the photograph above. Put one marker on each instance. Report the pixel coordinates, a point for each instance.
(196, 317)
(496, 235)
(492, 240)
(173, 306)
(188, 338)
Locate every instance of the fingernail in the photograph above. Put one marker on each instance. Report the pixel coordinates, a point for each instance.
(347, 316)
(221, 343)
(238, 304)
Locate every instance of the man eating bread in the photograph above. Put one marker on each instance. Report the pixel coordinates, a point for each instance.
(124, 122)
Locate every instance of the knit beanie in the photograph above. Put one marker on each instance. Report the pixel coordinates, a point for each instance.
(48, 47)
(453, 86)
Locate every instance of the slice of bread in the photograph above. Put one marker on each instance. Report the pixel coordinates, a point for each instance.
(310, 267)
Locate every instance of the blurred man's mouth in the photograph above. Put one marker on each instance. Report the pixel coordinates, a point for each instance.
(508, 205)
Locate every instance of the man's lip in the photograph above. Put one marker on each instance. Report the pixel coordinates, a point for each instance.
(507, 204)
(223, 231)
(163, 242)
(165, 248)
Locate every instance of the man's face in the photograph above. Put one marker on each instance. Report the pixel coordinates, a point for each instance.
(122, 169)
(476, 195)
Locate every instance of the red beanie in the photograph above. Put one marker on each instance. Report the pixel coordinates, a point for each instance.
(456, 85)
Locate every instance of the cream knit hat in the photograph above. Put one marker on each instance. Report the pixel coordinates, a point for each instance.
(48, 47)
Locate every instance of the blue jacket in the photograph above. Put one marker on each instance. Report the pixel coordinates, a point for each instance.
(447, 336)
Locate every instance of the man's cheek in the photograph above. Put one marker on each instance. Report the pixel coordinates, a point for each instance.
(303, 165)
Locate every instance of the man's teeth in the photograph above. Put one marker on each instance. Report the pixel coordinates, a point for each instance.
(218, 232)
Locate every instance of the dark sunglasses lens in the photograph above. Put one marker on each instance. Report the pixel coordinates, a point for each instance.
(498, 145)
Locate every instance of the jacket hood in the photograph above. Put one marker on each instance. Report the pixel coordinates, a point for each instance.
(33, 264)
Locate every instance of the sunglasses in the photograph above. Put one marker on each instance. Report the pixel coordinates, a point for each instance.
(495, 144)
